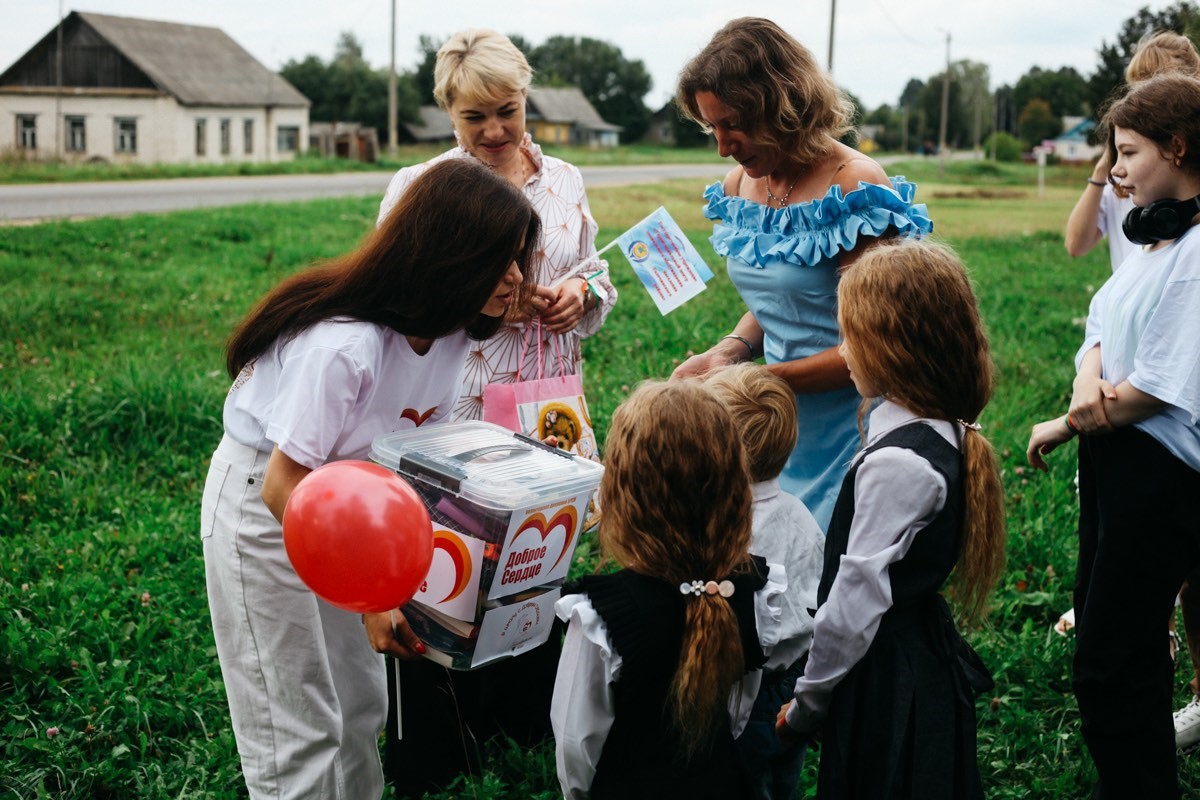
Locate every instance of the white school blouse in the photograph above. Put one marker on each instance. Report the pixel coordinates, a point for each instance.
(582, 709)
(896, 494)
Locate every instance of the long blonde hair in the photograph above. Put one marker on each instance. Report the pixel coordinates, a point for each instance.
(911, 322)
(676, 499)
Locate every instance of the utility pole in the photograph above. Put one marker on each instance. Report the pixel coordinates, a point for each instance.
(58, 89)
(832, 15)
(392, 135)
(945, 111)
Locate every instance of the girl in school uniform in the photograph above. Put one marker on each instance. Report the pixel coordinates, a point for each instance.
(888, 684)
(649, 694)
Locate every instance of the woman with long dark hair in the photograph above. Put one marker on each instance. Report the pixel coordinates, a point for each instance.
(332, 357)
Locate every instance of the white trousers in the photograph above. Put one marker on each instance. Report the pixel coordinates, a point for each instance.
(307, 694)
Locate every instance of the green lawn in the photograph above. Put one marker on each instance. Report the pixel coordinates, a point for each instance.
(18, 170)
(112, 383)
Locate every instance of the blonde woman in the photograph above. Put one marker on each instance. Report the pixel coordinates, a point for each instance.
(481, 79)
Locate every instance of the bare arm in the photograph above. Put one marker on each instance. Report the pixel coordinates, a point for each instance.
(280, 480)
(387, 632)
(1083, 232)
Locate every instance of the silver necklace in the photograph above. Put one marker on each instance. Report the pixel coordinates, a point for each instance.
(782, 201)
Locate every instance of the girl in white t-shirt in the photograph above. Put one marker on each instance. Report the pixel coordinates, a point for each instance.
(370, 343)
(1136, 402)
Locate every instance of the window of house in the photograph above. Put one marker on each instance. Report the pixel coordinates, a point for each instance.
(76, 134)
(126, 135)
(248, 136)
(288, 139)
(226, 137)
(201, 137)
(27, 131)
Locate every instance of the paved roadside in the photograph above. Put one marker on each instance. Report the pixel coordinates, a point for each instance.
(29, 203)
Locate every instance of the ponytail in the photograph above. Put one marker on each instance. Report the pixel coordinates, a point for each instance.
(981, 554)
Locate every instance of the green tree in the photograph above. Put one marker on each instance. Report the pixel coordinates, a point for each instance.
(1064, 89)
(613, 84)
(347, 89)
(1038, 122)
(423, 75)
(929, 111)
(975, 79)
(1108, 79)
(686, 131)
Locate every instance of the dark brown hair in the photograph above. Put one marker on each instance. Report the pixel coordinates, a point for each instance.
(778, 91)
(676, 499)
(1164, 109)
(911, 322)
(426, 271)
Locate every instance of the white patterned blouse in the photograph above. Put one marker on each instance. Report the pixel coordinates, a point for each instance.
(568, 237)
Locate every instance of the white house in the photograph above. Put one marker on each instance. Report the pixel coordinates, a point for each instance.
(144, 91)
(1072, 144)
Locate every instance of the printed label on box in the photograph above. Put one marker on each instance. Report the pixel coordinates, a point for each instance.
(538, 546)
(452, 585)
(511, 630)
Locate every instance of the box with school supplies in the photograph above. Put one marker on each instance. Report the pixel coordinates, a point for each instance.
(507, 513)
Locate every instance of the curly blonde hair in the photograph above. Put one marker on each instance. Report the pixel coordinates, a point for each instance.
(773, 83)
(676, 499)
(911, 322)
(763, 408)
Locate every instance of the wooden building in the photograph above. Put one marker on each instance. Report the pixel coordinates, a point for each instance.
(145, 91)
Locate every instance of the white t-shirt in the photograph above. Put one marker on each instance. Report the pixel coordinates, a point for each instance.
(1110, 219)
(1146, 320)
(784, 532)
(327, 393)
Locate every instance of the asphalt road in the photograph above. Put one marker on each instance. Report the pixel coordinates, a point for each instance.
(26, 203)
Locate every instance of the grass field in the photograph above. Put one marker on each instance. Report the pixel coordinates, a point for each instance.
(112, 383)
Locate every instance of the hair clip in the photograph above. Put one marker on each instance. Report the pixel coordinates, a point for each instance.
(975, 426)
(697, 588)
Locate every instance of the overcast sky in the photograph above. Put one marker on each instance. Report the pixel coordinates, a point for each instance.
(878, 44)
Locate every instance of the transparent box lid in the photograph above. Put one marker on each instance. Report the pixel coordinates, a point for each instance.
(485, 464)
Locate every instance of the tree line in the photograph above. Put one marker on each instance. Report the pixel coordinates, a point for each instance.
(347, 88)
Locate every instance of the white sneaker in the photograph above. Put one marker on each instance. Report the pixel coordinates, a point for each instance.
(1187, 725)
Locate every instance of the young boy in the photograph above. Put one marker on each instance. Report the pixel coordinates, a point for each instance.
(784, 532)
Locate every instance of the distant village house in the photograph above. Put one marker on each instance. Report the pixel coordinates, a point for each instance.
(553, 115)
(144, 91)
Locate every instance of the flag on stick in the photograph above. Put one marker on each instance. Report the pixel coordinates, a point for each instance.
(668, 265)
(666, 262)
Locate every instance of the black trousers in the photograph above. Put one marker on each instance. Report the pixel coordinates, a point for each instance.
(1139, 538)
(448, 716)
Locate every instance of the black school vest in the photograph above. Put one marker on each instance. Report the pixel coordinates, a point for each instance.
(934, 549)
(644, 618)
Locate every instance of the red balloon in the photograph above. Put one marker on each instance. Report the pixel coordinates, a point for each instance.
(358, 535)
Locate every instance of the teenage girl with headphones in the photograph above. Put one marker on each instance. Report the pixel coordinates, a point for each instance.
(1135, 406)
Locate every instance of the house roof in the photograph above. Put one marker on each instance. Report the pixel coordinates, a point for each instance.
(197, 65)
(1078, 132)
(566, 104)
(432, 125)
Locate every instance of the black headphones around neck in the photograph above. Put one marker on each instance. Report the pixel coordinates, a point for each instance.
(1159, 221)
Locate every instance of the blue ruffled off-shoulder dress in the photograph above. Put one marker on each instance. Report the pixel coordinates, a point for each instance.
(784, 264)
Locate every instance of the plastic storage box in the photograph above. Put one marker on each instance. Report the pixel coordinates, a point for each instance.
(507, 513)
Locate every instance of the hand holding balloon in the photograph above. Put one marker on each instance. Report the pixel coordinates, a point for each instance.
(359, 536)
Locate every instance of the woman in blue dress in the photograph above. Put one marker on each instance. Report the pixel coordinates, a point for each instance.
(793, 214)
